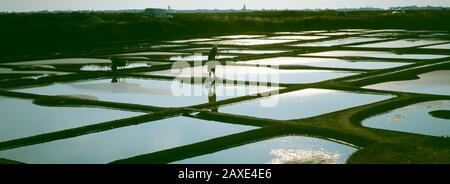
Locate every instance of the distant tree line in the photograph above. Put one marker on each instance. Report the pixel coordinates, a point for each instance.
(22, 33)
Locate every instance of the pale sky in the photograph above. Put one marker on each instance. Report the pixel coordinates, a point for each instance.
(36, 5)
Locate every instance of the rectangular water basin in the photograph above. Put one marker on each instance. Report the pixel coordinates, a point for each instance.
(120, 143)
(257, 74)
(162, 93)
(248, 41)
(374, 54)
(441, 46)
(414, 119)
(62, 61)
(436, 82)
(324, 62)
(342, 41)
(400, 43)
(21, 118)
(238, 36)
(281, 150)
(297, 37)
(301, 104)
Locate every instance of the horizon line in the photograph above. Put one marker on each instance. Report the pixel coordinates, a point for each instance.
(217, 9)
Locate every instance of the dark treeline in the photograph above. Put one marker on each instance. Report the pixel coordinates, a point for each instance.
(50, 32)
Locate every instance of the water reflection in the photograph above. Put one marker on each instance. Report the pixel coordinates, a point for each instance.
(247, 42)
(323, 62)
(41, 119)
(147, 91)
(282, 150)
(303, 104)
(441, 46)
(336, 42)
(436, 82)
(413, 118)
(401, 43)
(374, 54)
(299, 156)
(258, 74)
(119, 143)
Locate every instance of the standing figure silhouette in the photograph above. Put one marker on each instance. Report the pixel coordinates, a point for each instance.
(212, 56)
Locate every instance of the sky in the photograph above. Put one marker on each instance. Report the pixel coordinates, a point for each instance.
(37, 5)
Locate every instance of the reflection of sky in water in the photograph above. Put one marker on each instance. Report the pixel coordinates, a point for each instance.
(413, 118)
(21, 118)
(62, 61)
(10, 71)
(342, 41)
(120, 143)
(196, 58)
(299, 156)
(152, 53)
(93, 67)
(239, 36)
(339, 33)
(301, 104)
(166, 46)
(297, 37)
(441, 46)
(400, 43)
(374, 54)
(299, 33)
(291, 149)
(247, 42)
(436, 82)
(323, 62)
(191, 40)
(237, 51)
(147, 92)
(258, 74)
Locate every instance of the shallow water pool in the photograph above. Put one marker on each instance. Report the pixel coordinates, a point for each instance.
(21, 118)
(162, 93)
(436, 82)
(414, 119)
(281, 150)
(324, 62)
(125, 142)
(374, 54)
(301, 104)
(343, 41)
(257, 74)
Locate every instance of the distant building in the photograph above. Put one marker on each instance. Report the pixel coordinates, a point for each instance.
(398, 11)
(341, 13)
(157, 13)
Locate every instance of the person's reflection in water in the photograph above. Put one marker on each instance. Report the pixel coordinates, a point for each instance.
(212, 97)
(114, 79)
(116, 62)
